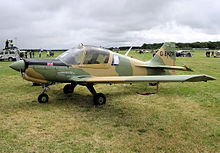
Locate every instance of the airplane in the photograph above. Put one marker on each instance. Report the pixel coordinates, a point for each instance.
(90, 65)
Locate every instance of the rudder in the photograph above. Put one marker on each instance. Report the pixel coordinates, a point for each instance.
(166, 55)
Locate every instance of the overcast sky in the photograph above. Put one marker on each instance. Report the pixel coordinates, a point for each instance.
(66, 23)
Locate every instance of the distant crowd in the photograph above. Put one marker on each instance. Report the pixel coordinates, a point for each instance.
(32, 54)
(9, 44)
(209, 53)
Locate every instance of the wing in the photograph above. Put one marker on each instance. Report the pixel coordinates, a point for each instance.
(156, 78)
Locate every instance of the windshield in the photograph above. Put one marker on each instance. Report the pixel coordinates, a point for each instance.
(72, 56)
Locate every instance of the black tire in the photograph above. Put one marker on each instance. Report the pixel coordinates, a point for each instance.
(43, 98)
(68, 89)
(10, 59)
(152, 84)
(99, 99)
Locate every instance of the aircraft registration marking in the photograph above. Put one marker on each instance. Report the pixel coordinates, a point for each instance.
(166, 53)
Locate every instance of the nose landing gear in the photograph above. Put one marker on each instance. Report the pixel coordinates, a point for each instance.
(43, 98)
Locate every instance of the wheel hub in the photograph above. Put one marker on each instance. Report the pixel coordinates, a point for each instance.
(101, 100)
(43, 99)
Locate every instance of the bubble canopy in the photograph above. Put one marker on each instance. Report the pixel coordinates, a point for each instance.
(72, 56)
(93, 55)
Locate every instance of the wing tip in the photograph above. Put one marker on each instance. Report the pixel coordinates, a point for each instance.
(202, 77)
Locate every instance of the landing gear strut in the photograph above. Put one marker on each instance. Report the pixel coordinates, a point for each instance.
(98, 98)
(43, 98)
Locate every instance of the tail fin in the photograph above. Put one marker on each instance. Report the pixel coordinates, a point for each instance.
(166, 55)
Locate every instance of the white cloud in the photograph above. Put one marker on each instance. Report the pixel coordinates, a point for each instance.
(62, 24)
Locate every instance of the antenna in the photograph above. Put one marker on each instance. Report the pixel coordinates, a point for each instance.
(126, 54)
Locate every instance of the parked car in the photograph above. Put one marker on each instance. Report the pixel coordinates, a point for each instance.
(183, 53)
(217, 53)
(8, 54)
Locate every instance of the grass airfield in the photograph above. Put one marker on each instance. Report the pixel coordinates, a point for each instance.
(183, 117)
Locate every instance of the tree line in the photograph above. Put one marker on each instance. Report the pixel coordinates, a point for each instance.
(208, 45)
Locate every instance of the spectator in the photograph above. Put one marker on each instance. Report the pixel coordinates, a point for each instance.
(30, 54)
(207, 53)
(11, 43)
(212, 53)
(6, 44)
(40, 53)
(48, 53)
(26, 55)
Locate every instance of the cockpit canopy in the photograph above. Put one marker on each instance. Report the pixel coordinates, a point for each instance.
(93, 55)
(72, 56)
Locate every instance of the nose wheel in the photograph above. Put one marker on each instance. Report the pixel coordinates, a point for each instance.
(43, 98)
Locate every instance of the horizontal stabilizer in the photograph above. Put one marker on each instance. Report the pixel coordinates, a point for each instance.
(155, 78)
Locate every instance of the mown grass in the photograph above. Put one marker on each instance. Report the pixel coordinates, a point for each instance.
(183, 117)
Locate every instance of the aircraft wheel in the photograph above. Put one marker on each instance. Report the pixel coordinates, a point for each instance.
(43, 98)
(99, 99)
(10, 59)
(68, 89)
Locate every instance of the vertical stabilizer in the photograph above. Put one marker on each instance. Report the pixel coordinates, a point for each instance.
(166, 55)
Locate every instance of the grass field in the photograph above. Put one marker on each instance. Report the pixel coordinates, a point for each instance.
(183, 117)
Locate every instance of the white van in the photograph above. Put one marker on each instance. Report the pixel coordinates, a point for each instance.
(8, 54)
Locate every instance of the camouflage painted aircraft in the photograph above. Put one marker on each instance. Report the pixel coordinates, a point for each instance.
(89, 65)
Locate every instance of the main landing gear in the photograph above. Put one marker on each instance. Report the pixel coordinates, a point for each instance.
(98, 98)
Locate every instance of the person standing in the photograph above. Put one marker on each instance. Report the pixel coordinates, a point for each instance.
(11, 43)
(40, 53)
(33, 54)
(26, 54)
(212, 53)
(48, 53)
(6, 44)
(30, 54)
